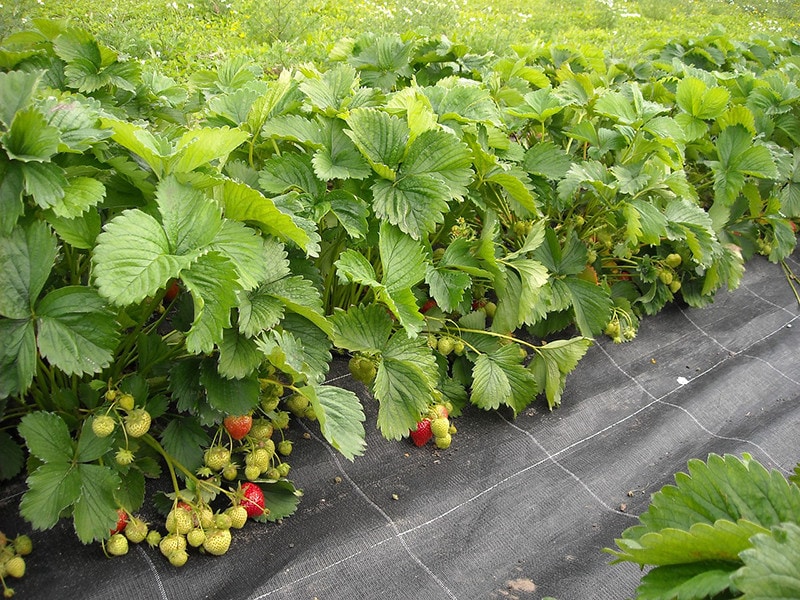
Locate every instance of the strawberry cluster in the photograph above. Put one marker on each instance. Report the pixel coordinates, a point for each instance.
(436, 424)
(12, 563)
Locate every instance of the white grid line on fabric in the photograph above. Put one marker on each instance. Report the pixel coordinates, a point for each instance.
(397, 534)
(551, 458)
(153, 569)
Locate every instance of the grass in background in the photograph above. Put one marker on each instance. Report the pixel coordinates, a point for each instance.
(185, 35)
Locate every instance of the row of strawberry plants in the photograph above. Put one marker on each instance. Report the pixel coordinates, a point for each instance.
(182, 261)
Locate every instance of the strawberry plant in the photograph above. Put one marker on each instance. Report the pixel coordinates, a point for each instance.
(181, 262)
(728, 528)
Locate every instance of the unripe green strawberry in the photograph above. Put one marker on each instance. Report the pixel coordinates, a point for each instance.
(238, 515)
(136, 530)
(179, 520)
(171, 543)
(117, 545)
(283, 469)
(230, 471)
(125, 401)
(205, 517)
(285, 447)
(281, 419)
(269, 403)
(178, 558)
(196, 537)
(445, 345)
(15, 567)
(261, 429)
(124, 457)
(153, 538)
(262, 458)
(490, 308)
(111, 395)
(440, 427)
(217, 541)
(222, 521)
(217, 457)
(310, 413)
(673, 260)
(23, 545)
(103, 425)
(612, 329)
(675, 286)
(362, 368)
(272, 473)
(458, 348)
(137, 423)
(665, 277)
(296, 404)
(270, 388)
(443, 442)
(252, 472)
(433, 341)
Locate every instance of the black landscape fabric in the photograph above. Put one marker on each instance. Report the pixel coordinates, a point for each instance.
(515, 508)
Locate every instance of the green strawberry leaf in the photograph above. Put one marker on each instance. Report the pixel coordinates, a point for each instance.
(200, 146)
(80, 194)
(228, 396)
(27, 255)
(340, 417)
(289, 172)
(435, 152)
(76, 331)
(94, 511)
(404, 384)
(380, 137)
(316, 347)
(190, 219)
(694, 581)
(691, 224)
(91, 447)
(553, 362)
(80, 231)
(547, 160)
(184, 439)
(47, 437)
(414, 203)
(361, 328)
(771, 569)
(45, 182)
(18, 356)
(16, 91)
(281, 498)
(498, 378)
(30, 138)
(239, 356)
(739, 157)
(213, 282)
(133, 259)
(12, 187)
(448, 286)
(338, 157)
(13, 456)
(52, 488)
(694, 97)
(242, 203)
(402, 257)
(722, 541)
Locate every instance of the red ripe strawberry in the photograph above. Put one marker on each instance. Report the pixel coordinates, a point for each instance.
(429, 304)
(122, 520)
(422, 434)
(253, 499)
(173, 289)
(238, 426)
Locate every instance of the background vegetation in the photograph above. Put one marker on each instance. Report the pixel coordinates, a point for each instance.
(191, 34)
